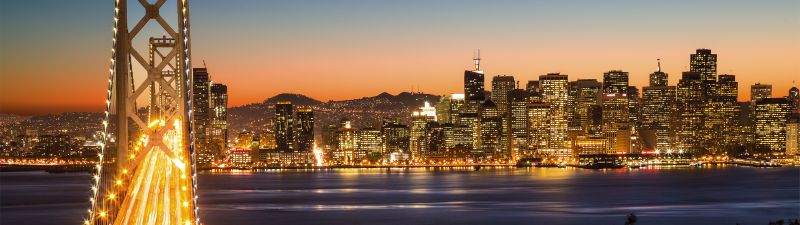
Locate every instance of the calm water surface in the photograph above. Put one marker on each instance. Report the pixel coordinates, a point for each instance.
(726, 195)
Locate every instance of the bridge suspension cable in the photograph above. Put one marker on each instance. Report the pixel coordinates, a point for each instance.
(150, 179)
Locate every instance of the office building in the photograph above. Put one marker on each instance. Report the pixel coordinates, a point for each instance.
(284, 126)
(201, 116)
(218, 132)
(771, 118)
(305, 130)
(691, 100)
(760, 91)
(554, 92)
(704, 63)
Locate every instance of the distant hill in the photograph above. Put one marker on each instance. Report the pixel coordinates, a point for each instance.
(296, 99)
(366, 111)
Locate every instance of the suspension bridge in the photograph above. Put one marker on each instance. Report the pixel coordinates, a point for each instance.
(145, 173)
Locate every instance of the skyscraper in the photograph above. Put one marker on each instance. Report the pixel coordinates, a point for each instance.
(419, 126)
(772, 116)
(473, 81)
(794, 98)
(538, 124)
(518, 115)
(369, 143)
(201, 116)
(705, 63)
(305, 130)
(634, 107)
(284, 126)
(658, 78)
(690, 105)
(658, 108)
(616, 116)
(760, 91)
(218, 135)
(615, 82)
(793, 136)
(554, 92)
(346, 152)
(490, 129)
(535, 89)
(447, 108)
(588, 93)
(395, 138)
(721, 116)
(501, 85)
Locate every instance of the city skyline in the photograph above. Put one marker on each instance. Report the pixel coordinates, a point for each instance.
(601, 101)
(367, 58)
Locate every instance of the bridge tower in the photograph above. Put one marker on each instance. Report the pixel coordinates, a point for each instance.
(145, 173)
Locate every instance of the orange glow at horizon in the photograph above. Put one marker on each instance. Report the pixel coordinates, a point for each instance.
(336, 55)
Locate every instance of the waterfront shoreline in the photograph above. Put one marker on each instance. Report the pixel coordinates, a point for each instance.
(88, 168)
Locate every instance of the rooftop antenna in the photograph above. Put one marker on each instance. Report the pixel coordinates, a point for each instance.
(477, 59)
(204, 64)
(659, 64)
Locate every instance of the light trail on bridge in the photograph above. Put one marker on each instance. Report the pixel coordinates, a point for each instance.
(151, 179)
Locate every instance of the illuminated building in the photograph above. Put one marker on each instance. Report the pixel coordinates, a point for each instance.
(793, 135)
(658, 108)
(447, 108)
(345, 152)
(419, 126)
(218, 135)
(469, 124)
(589, 146)
(535, 89)
(240, 156)
(538, 123)
(760, 91)
(634, 107)
(434, 141)
(395, 138)
(501, 85)
(691, 101)
(490, 129)
(369, 143)
(658, 78)
(704, 63)
(771, 117)
(587, 94)
(55, 145)
(244, 139)
(721, 116)
(554, 92)
(518, 120)
(284, 158)
(305, 130)
(201, 117)
(266, 140)
(595, 120)
(616, 111)
(284, 125)
(794, 98)
(615, 82)
(330, 140)
(428, 110)
(473, 81)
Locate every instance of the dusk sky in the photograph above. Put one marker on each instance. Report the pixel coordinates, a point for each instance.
(54, 54)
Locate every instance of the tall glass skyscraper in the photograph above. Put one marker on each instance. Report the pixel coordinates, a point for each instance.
(218, 134)
(284, 126)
